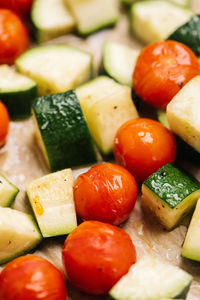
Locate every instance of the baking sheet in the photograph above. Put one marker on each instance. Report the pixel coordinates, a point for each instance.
(21, 161)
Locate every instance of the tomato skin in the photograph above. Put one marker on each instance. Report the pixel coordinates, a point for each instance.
(4, 123)
(96, 255)
(13, 36)
(31, 278)
(162, 69)
(21, 7)
(105, 193)
(143, 146)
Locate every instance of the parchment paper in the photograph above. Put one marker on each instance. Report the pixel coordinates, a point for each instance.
(21, 161)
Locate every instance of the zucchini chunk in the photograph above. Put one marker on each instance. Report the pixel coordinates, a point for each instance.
(170, 194)
(18, 234)
(183, 113)
(189, 34)
(8, 192)
(186, 3)
(106, 106)
(16, 92)
(153, 21)
(51, 198)
(191, 246)
(119, 62)
(93, 15)
(152, 279)
(62, 132)
(56, 68)
(51, 19)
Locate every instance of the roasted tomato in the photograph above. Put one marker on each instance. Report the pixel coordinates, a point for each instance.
(96, 255)
(106, 193)
(31, 278)
(13, 36)
(22, 7)
(162, 69)
(4, 123)
(143, 146)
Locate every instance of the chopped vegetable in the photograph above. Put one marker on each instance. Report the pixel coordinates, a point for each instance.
(4, 124)
(8, 192)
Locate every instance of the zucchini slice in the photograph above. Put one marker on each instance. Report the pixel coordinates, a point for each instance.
(16, 92)
(62, 131)
(106, 106)
(56, 68)
(183, 113)
(18, 234)
(92, 15)
(51, 198)
(170, 194)
(186, 3)
(191, 246)
(51, 19)
(152, 279)
(153, 21)
(189, 34)
(119, 62)
(8, 192)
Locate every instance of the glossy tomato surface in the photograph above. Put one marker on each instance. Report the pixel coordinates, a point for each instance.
(162, 69)
(106, 193)
(143, 146)
(13, 36)
(96, 255)
(4, 123)
(31, 278)
(21, 7)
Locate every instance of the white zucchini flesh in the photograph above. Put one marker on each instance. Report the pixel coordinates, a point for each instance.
(152, 279)
(56, 68)
(155, 20)
(183, 113)
(51, 198)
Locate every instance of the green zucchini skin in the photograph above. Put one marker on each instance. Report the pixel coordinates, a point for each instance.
(19, 103)
(64, 131)
(189, 34)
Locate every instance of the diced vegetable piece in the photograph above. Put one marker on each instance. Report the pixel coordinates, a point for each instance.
(155, 20)
(18, 234)
(162, 118)
(141, 282)
(51, 198)
(62, 131)
(170, 194)
(16, 92)
(183, 113)
(51, 18)
(8, 192)
(119, 62)
(179, 2)
(56, 68)
(189, 34)
(191, 246)
(106, 106)
(92, 15)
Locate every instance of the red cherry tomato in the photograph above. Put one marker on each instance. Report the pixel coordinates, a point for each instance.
(31, 278)
(96, 255)
(106, 193)
(143, 146)
(162, 69)
(4, 123)
(22, 7)
(13, 36)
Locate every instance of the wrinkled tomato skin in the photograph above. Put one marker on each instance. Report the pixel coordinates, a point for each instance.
(13, 36)
(105, 193)
(31, 278)
(143, 146)
(96, 255)
(162, 69)
(21, 7)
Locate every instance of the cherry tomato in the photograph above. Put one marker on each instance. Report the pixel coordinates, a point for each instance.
(162, 69)
(13, 36)
(143, 146)
(106, 193)
(96, 255)
(4, 123)
(22, 7)
(31, 278)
